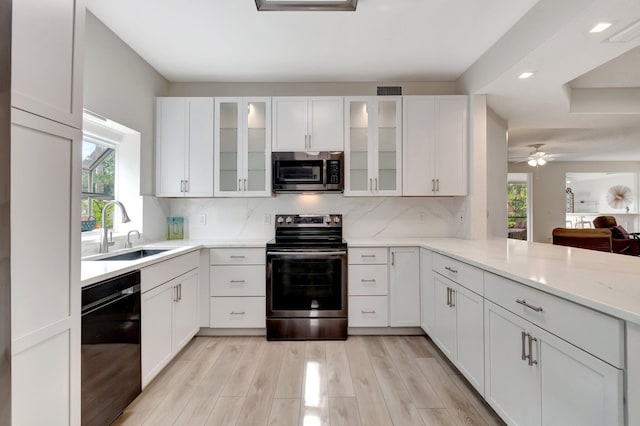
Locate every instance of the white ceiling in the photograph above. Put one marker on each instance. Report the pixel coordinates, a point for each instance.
(483, 45)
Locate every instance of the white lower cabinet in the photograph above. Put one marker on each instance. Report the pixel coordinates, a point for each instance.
(368, 311)
(169, 313)
(237, 288)
(534, 377)
(404, 287)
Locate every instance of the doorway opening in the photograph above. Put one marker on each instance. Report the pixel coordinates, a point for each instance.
(519, 220)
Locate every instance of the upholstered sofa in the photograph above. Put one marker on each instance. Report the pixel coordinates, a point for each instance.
(592, 239)
(621, 241)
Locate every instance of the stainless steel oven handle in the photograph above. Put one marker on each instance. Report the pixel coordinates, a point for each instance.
(306, 253)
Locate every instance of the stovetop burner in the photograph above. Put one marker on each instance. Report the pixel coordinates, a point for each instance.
(308, 232)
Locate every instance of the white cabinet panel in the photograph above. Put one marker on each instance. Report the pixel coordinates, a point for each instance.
(47, 59)
(435, 139)
(308, 123)
(427, 292)
(470, 335)
(238, 256)
(368, 280)
(234, 280)
(184, 147)
(156, 331)
(238, 312)
(404, 287)
(41, 383)
(444, 329)
(368, 256)
(368, 311)
(185, 312)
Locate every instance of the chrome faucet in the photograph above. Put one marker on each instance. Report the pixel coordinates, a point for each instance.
(128, 244)
(105, 242)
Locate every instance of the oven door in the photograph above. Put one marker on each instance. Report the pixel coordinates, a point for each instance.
(306, 284)
(289, 174)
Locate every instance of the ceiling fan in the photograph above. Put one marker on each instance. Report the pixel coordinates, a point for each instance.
(536, 157)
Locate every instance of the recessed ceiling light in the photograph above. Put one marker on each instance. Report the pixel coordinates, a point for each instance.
(600, 27)
(525, 75)
(306, 5)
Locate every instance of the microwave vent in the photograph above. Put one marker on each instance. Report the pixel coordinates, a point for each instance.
(389, 90)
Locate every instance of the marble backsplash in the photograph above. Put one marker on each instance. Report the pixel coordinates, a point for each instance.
(363, 217)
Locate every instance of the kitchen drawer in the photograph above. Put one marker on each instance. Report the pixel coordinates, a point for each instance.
(368, 256)
(238, 312)
(238, 280)
(592, 331)
(368, 311)
(238, 256)
(161, 272)
(368, 280)
(460, 272)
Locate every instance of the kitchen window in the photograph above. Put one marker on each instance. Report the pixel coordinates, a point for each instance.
(98, 180)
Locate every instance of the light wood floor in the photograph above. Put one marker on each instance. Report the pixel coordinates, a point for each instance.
(372, 380)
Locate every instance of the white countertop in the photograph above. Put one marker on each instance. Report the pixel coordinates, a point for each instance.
(607, 282)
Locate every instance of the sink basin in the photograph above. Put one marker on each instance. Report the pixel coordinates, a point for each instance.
(133, 255)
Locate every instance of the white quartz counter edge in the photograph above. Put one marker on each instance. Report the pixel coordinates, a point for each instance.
(95, 271)
(606, 282)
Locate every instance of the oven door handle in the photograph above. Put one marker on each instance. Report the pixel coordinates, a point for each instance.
(306, 253)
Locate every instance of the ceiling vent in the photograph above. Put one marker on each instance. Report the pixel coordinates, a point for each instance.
(389, 90)
(307, 5)
(627, 34)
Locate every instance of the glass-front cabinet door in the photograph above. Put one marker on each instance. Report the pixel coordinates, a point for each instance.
(373, 146)
(242, 147)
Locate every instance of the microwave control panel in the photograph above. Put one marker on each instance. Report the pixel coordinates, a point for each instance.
(333, 171)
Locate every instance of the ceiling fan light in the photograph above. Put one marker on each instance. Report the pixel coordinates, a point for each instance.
(532, 162)
(542, 161)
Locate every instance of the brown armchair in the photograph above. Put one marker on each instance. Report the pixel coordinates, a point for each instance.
(621, 241)
(592, 239)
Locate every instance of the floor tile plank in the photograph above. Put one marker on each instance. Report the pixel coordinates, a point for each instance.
(315, 349)
(242, 375)
(292, 371)
(344, 411)
(437, 417)
(284, 412)
(226, 411)
(339, 376)
(371, 405)
(314, 404)
(476, 400)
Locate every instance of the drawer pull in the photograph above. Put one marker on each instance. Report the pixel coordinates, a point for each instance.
(368, 312)
(524, 303)
(373, 280)
(367, 255)
(237, 281)
(237, 313)
(236, 257)
(450, 269)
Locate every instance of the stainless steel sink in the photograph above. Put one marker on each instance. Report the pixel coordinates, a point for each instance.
(133, 255)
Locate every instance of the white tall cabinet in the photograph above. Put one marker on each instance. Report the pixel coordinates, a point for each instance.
(184, 147)
(373, 146)
(46, 96)
(435, 145)
(308, 123)
(242, 154)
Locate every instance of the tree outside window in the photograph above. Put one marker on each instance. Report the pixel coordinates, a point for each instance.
(98, 181)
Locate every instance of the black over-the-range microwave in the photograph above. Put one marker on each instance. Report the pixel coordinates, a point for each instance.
(307, 172)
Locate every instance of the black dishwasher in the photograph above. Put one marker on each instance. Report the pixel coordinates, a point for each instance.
(111, 376)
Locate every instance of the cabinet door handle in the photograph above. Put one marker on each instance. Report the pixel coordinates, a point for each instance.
(376, 180)
(523, 335)
(368, 312)
(393, 259)
(175, 294)
(181, 186)
(186, 186)
(433, 185)
(450, 269)
(453, 298)
(437, 185)
(448, 296)
(524, 303)
(530, 356)
(237, 313)
(180, 291)
(245, 184)
(239, 184)
(310, 141)
(370, 184)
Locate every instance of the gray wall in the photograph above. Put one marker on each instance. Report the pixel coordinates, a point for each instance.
(496, 175)
(5, 217)
(120, 85)
(548, 190)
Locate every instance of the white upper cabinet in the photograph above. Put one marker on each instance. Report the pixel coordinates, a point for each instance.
(373, 146)
(243, 147)
(184, 147)
(308, 124)
(435, 140)
(47, 59)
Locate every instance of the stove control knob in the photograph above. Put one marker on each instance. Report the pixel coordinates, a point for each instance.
(280, 219)
(327, 219)
(336, 219)
(289, 219)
